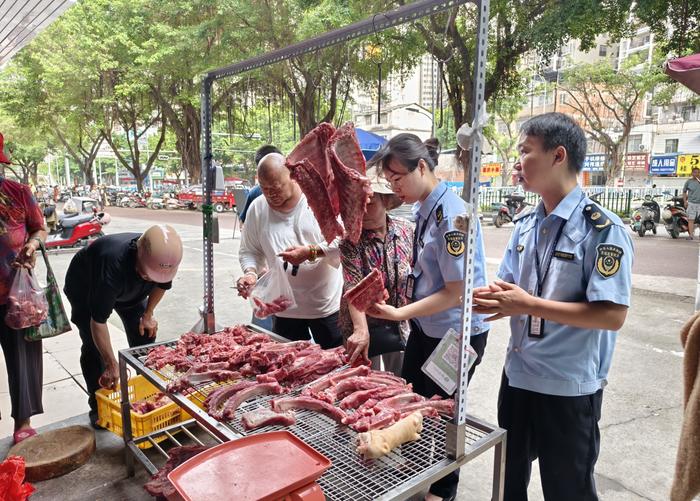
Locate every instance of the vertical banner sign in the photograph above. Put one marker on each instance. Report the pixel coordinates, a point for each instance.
(594, 163)
(663, 165)
(686, 164)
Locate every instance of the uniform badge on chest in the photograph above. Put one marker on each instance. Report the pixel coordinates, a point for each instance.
(454, 243)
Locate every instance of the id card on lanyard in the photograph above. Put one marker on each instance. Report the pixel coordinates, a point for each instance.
(536, 324)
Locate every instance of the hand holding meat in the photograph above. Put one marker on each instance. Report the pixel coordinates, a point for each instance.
(296, 255)
(148, 326)
(502, 299)
(357, 346)
(245, 284)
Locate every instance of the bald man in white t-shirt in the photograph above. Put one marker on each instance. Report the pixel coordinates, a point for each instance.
(281, 226)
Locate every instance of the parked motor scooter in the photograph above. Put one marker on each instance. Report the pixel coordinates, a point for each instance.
(507, 211)
(676, 218)
(78, 230)
(645, 217)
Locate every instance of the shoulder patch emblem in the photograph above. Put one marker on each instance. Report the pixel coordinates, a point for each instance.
(596, 217)
(519, 248)
(439, 215)
(454, 243)
(607, 259)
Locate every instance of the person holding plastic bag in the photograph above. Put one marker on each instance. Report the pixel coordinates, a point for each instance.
(21, 230)
(280, 228)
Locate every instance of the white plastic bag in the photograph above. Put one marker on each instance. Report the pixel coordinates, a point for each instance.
(272, 293)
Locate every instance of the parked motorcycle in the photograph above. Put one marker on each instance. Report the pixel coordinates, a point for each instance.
(645, 217)
(78, 230)
(507, 211)
(676, 218)
(133, 201)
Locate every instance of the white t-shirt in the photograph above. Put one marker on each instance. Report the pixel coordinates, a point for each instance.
(317, 286)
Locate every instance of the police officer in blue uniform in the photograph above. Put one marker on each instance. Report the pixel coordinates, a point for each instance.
(436, 282)
(565, 283)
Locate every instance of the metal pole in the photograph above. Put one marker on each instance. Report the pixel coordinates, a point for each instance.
(116, 172)
(456, 430)
(207, 223)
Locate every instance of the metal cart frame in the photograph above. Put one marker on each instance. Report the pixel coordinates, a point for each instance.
(458, 451)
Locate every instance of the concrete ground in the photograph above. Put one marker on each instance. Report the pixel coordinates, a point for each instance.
(641, 412)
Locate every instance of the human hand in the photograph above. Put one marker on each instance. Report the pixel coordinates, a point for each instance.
(26, 258)
(110, 377)
(148, 326)
(502, 299)
(357, 346)
(245, 284)
(296, 255)
(386, 312)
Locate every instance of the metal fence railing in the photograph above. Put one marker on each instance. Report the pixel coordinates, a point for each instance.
(619, 200)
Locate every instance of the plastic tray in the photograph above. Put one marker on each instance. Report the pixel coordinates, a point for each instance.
(262, 467)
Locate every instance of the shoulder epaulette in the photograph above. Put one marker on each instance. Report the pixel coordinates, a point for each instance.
(596, 217)
(527, 211)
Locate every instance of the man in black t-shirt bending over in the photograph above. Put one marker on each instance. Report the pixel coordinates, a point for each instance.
(127, 273)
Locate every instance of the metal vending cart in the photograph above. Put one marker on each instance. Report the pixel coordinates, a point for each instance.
(444, 445)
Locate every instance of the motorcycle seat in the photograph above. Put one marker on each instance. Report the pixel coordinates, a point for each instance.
(70, 222)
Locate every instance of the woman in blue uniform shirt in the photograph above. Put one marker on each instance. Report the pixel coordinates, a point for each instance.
(437, 278)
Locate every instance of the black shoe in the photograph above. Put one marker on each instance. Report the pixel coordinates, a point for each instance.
(93, 420)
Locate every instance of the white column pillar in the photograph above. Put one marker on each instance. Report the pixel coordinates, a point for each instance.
(67, 169)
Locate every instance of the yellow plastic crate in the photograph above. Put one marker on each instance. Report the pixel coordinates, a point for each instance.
(110, 415)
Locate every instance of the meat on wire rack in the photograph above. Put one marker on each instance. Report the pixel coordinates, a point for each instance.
(351, 477)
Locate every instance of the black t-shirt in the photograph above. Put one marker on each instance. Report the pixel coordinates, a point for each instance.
(102, 277)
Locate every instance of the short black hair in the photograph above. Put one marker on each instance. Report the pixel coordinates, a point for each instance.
(263, 151)
(558, 129)
(409, 150)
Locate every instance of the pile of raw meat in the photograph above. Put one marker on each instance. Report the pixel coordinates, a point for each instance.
(329, 167)
(159, 486)
(369, 291)
(23, 313)
(147, 405)
(255, 366)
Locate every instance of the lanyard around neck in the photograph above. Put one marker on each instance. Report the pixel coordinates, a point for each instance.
(418, 235)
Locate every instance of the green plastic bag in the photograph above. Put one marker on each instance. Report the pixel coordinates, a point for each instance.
(57, 321)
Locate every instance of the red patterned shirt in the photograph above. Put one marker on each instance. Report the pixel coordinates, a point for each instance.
(20, 216)
(391, 255)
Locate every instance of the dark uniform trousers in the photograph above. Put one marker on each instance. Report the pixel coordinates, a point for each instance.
(90, 358)
(418, 348)
(562, 432)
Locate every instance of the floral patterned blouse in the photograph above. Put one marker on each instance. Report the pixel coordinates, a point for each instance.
(391, 255)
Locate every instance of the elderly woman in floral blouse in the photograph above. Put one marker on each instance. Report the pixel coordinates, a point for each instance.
(385, 245)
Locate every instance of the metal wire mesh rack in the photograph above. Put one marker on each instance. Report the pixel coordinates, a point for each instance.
(397, 475)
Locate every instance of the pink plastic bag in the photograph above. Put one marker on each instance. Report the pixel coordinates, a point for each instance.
(272, 294)
(26, 302)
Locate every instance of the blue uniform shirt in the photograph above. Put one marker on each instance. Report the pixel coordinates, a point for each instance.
(592, 262)
(440, 258)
